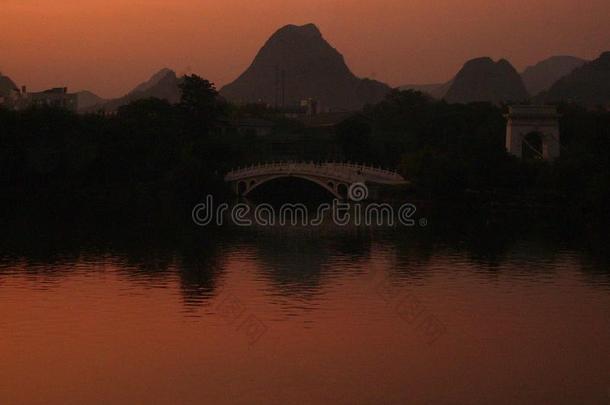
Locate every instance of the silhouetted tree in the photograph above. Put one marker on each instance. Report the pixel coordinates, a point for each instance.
(200, 102)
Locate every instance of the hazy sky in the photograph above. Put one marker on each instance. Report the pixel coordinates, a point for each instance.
(108, 46)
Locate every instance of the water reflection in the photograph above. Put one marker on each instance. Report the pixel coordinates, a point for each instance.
(296, 262)
(523, 306)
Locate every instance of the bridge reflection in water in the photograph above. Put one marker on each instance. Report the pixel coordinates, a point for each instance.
(336, 177)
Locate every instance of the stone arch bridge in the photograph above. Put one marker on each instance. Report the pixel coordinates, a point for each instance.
(335, 177)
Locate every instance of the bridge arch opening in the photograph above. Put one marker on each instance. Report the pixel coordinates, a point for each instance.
(242, 187)
(293, 189)
(532, 146)
(342, 190)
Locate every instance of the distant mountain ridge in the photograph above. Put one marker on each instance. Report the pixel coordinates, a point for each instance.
(164, 85)
(297, 63)
(482, 79)
(7, 86)
(588, 85)
(87, 99)
(544, 74)
(158, 77)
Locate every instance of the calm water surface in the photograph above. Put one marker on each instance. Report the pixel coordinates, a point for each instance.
(281, 316)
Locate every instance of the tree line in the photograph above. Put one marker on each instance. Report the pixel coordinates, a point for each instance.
(151, 150)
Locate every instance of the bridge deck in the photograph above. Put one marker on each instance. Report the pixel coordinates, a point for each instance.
(348, 172)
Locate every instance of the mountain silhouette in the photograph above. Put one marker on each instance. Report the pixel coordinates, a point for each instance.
(544, 74)
(87, 99)
(297, 63)
(482, 79)
(163, 85)
(7, 86)
(588, 85)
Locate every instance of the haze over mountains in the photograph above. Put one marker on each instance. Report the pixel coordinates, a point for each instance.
(544, 74)
(297, 63)
(588, 85)
(556, 79)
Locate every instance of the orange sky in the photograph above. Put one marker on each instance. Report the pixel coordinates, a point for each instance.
(108, 46)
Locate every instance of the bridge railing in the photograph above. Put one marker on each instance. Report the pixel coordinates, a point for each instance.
(312, 167)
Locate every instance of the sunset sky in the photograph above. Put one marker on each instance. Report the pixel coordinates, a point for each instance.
(108, 46)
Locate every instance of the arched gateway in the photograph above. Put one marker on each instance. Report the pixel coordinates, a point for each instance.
(527, 120)
(332, 176)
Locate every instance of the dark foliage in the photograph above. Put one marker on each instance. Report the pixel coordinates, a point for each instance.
(174, 154)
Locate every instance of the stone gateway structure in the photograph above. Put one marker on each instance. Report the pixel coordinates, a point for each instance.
(533, 130)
